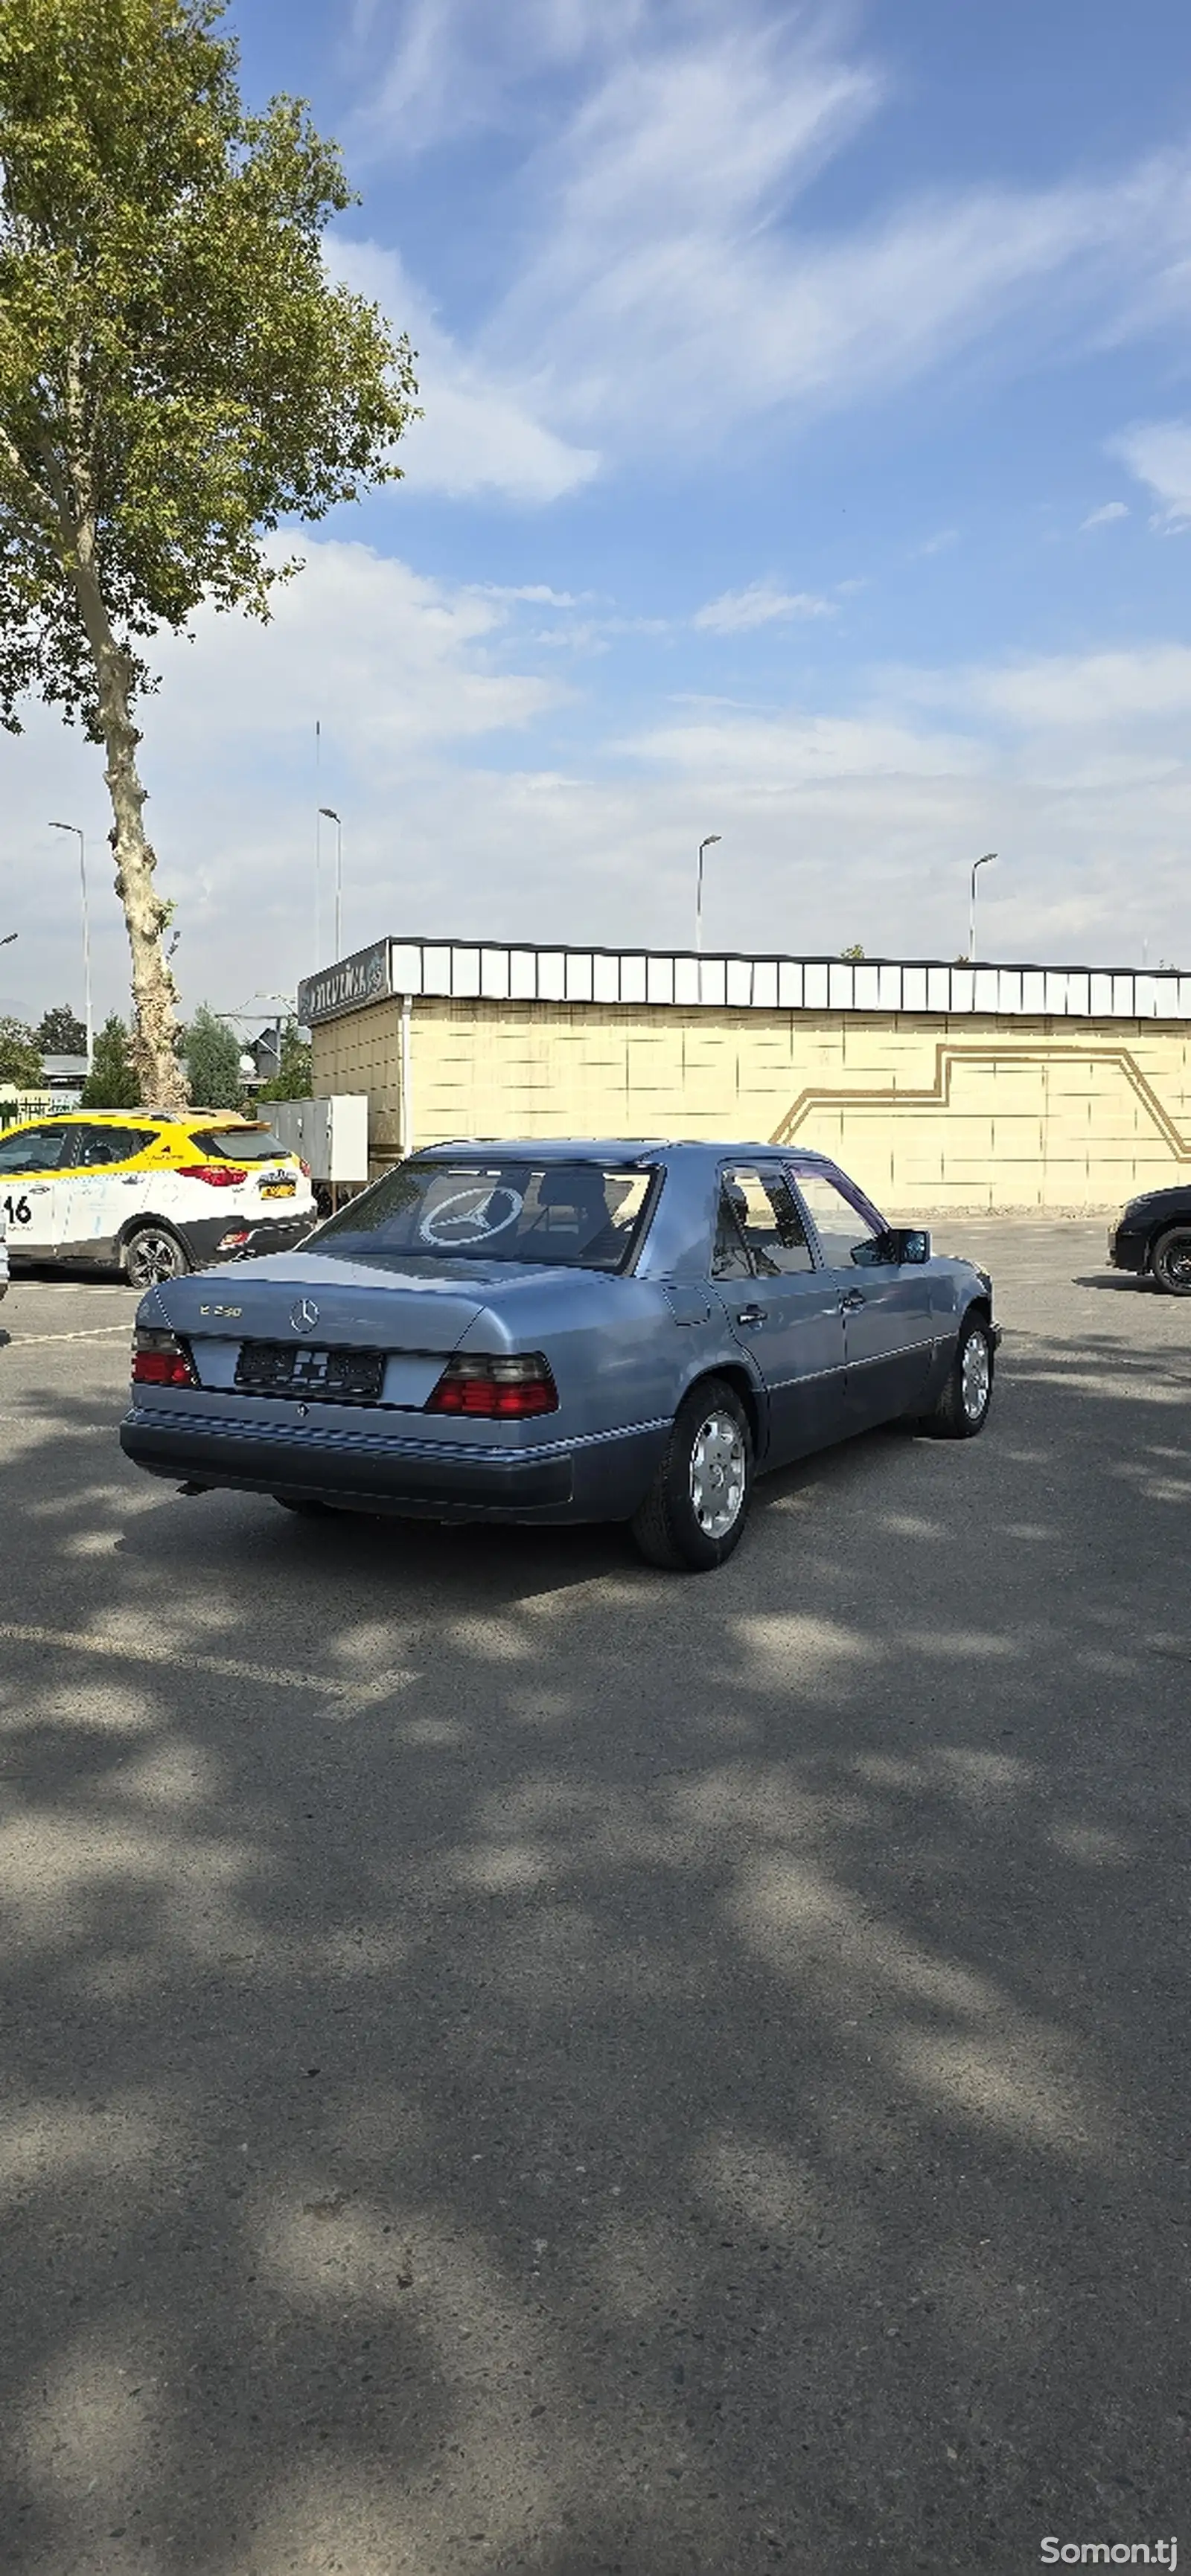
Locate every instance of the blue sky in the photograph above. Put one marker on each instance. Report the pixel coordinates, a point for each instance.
(807, 457)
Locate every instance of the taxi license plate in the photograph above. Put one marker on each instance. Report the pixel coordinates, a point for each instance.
(279, 1189)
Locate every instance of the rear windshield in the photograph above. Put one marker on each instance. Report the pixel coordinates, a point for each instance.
(238, 1144)
(582, 1214)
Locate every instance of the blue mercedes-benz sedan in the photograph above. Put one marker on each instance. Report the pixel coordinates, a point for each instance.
(570, 1331)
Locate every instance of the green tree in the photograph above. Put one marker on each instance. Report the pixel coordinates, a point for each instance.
(112, 1082)
(213, 1061)
(20, 1055)
(295, 1072)
(61, 1033)
(853, 954)
(177, 376)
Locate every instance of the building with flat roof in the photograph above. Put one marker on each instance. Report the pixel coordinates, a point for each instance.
(941, 1086)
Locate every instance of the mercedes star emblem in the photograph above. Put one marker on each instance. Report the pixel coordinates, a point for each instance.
(304, 1316)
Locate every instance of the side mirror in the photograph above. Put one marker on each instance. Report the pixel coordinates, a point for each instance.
(897, 1246)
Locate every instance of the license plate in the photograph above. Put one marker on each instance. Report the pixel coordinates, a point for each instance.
(334, 1377)
(279, 1189)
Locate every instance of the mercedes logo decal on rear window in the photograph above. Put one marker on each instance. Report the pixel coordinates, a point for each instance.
(304, 1316)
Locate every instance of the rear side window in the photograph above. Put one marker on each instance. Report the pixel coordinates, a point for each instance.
(33, 1149)
(760, 1234)
(94, 1146)
(238, 1145)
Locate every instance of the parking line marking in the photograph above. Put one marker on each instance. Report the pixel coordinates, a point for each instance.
(98, 1333)
(145, 1650)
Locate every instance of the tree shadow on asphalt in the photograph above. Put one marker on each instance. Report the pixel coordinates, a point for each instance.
(514, 2061)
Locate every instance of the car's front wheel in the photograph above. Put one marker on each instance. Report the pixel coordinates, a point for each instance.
(1170, 1261)
(694, 1513)
(962, 1409)
(152, 1255)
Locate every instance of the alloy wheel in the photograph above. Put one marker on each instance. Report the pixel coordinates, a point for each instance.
(976, 1376)
(717, 1474)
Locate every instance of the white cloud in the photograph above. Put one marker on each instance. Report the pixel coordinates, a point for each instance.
(795, 750)
(1102, 518)
(480, 434)
(667, 283)
(675, 291)
(1061, 692)
(458, 65)
(761, 604)
(1158, 452)
(479, 799)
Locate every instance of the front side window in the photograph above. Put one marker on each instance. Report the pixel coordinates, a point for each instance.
(760, 1234)
(33, 1149)
(579, 1214)
(846, 1233)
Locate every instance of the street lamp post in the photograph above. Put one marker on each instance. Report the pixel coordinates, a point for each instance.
(708, 844)
(985, 862)
(332, 817)
(74, 829)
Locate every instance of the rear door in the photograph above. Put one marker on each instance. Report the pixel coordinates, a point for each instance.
(781, 1308)
(31, 1198)
(100, 1190)
(888, 1329)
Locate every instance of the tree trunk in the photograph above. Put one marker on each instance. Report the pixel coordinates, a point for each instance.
(154, 992)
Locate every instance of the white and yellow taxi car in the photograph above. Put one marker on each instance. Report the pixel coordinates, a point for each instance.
(154, 1197)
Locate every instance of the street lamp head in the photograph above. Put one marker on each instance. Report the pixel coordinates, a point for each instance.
(8, 940)
(710, 842)
(330, 813)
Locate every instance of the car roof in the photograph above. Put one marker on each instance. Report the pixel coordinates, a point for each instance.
(609, 1149)
(144, 1118)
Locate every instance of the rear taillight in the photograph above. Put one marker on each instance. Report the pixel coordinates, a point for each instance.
(234, 1241)
(496, 1390)
(304, 1168)
(160, 1359)
(218, 1176)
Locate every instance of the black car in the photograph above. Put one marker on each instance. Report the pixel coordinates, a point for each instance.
(1153, 1236)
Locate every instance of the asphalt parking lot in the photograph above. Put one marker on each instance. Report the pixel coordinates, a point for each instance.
(513, 2060)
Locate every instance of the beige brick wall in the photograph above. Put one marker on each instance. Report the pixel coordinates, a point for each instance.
(927, 1112)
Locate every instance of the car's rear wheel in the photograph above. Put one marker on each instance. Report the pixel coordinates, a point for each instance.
(694, 1513)
(1170, 1261)
(962, 1409)
(151, 1255)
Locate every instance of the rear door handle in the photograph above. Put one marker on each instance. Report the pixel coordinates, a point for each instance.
(853, 1298)
(751, 1316)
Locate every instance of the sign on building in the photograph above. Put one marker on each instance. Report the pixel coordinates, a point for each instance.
(348, 986)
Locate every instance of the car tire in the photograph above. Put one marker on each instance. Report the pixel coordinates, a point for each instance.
(962, 1409)
(150, 1255)
(694, 1513)
(1170, 1261)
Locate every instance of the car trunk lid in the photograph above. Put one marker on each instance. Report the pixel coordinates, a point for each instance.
(317, 1305)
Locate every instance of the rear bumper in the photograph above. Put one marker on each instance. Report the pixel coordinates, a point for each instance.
(595, 1480)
